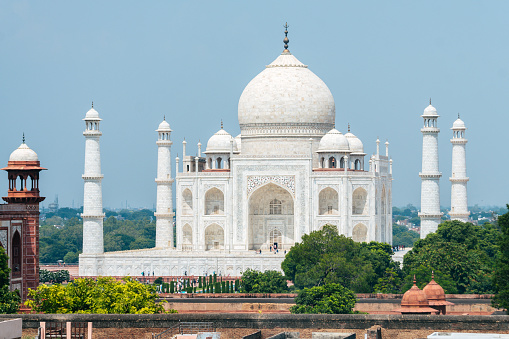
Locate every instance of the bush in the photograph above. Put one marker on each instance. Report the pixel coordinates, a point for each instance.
(54, 277)
(329, 299)
(104, 296)
(263, 282)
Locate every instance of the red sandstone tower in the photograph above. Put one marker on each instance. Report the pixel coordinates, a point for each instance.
(19, 219)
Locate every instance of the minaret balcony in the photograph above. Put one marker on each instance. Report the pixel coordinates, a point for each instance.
(92, 133)
(436, 175)
(431, 130)
(92, 177)
(164, 142)
(164, 181)
(465, 179)
(459, 141)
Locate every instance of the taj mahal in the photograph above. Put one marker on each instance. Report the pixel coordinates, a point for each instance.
(288, 173)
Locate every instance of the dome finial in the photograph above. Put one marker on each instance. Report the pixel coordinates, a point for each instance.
(92, 104)
(348, 127)
(164, 117)
(415, 282)
(286, 40)
(458, 115)
(430, 100)
(23, 137)
(432, 275)
(221, 123)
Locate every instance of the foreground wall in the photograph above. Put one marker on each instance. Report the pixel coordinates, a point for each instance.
(262, 321)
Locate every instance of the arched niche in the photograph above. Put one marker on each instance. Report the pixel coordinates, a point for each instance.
(187, 202)
(214, 238)
(359, 232)
(214, 202)
(360, 201)
(16, 255)
(271, 207)
(187, 238)
(328, 201)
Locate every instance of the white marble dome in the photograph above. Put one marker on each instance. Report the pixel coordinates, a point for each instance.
(164, 126)
(220, 143)
(458, 124)
(334, 141)
(92, 114)
(356, 145)
(23, 153)
(430, 110)
(286, 93)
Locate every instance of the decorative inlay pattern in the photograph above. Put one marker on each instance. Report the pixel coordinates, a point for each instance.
(209, 222)
(3, 238)
(254, 181)
(206, 187)
(16, 228)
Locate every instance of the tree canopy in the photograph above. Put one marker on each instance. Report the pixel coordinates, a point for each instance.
(263, 282)
(9, 301)
(62, 239)
(402, 236)
(501, 275)
(328, 299)
(462, 251)
(325, 257)
(104, 295)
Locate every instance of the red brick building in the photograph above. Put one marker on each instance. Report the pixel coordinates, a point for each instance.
(19, 219)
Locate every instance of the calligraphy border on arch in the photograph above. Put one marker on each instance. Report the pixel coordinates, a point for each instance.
(255, 181)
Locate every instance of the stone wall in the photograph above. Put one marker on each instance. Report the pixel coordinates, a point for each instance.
(294, 321)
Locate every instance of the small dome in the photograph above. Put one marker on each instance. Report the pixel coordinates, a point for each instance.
(355, 143)
(458, 124)
(164, 126)
(23, 153)
(415, 301)
(334, 141)
(92, 114)
(430, 110)
(220, 143)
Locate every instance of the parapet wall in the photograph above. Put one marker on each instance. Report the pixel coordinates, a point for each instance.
(269, 321)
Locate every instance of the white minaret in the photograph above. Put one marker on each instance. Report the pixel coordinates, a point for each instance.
(164, 210)
(430, 186)
(459, 207)
(93, 199)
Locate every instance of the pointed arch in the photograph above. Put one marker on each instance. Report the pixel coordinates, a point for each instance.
(16, 255)
(271, 207)
(214, 201)
(360, 201)
(359, 232)
(187, 238)
(214, 237)
(187, 202)
(328, 201)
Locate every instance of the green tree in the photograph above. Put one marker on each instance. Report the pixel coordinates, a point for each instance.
(401, 236)
(501, 275)
(389, 283)
(463, 251)
(328, 299)
(104, 296)
(325, 257)
(9, 301)
(423, 277)
(263, 282)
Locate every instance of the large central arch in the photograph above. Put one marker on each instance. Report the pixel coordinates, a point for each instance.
(271, 218)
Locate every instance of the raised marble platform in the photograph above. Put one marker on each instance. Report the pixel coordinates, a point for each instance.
(168, 262)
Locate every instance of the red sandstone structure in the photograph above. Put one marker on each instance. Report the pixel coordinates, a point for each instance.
(19, 219)
(415, 301)
(436, 296)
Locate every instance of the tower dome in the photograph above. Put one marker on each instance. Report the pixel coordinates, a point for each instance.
(430, 110)
(286, 98)
(92, 114)
(23, 153)
(458, 124)
(164, 126)
(334, 141)
(220, 142)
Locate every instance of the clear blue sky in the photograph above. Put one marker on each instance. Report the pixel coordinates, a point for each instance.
(190, 61)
